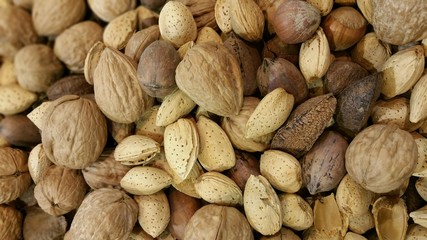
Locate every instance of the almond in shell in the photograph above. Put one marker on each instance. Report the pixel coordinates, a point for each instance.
(247, 19)
(174, 106)
(153, 213)
(418, 101)
(38, 163)
(217, 188)
(118, 31)
(136, 150)
(145, 180)
(296, 212)
(14, 99)
(146, 125)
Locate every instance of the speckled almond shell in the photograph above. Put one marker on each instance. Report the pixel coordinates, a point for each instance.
(217, 188)
(145, 180)
(418, 106)
(136, 150)
(14, 99)
(174, 106)
(296, 212)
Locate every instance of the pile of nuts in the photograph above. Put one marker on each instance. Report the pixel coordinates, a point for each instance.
(213, 119)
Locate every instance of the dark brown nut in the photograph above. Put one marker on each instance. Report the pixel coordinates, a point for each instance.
(156, 69)
(53, 190)
(249, 61)
(344, 27)
(19, 131)
(78, 143)
(203, 12)
(395, 22)
(246, 165)
(69, 85)
(218, 222)
(182, 208)
(10, 223)
(73, 44)
(14, 175)
(37, 67)
(323, 166)
(355, 103)
(119, 215)
(40, 225)
(305, 124)
(153, 4)
(341, 74)
(280, 73)
(48, 21)
(381, 158)
(106, 172)
(140, 41)
(16, 29)
(296, 21)
(275, 48)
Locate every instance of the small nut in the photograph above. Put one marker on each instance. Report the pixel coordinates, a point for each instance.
(119, 30)
(107, 10)
(153, 213)
(136, 150)
(353, 199)
(246, 19)
(145, 180)
(38, 163)
(217, 188)
(296, 212)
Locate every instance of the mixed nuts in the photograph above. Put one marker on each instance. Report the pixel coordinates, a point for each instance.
(213, 119)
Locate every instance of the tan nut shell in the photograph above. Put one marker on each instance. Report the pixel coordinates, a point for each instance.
(174, 106)
(361, 224)
(391, 218)
(217, 188)
(327, 216)
(418, 101)
(222, 15)
(188, 185)
(221, 74)
(296, 212)
(14, 99)
(38, 163)
(208, 34)
(181, 146)
(420, 216)
(37, 115)
(271, 112)
(136, 150)
(247, 19)
(119, 30)
(40, 225)
(108, 10)
(421, 187)
(370, 52)
(354, 236)
(262, 206)
(282, 170)
(10, 222)
(402, 70)
(145, 180)
(119, 215)
(176, 23)
(146, 125)
(416, 232)
(216, 152)
(154, 213)
(351, 198)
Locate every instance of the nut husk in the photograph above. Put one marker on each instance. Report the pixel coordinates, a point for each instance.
(53, 190)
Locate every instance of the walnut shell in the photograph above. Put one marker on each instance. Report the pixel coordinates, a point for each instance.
(381, 158)
(37, 67)
(107, 10)
(53, 190)
(105, 172)
(73, 44)
(16, 29)
(105, 213)
(218, 222)
(156, 69)
(51, 17)
(10, 222)
(14, 175)
(40, 225)
(85, 132)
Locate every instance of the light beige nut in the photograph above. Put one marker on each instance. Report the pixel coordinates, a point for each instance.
(361, 224)
(391, 218)
(153, 213)
(136, 150)
(271, 112)
(14, 175)
(315, 57)
(262, 206)
(7, 73)
(38, 163)
(48, 21)
(73, 44)
(140, 40)
(146, 125)
(324, 6)
(421, 187)
(221, 74)
(373, 160)
(78, 143)
(14, 99)
(328, 218)
(119, 30)
(208, 34)
(418, 101)
(247, 19)
(222, 15)
(402, 70)
(113, 204)
(188, 185)
(296, 212)
(419, 216)
(176, 23)
(53, 193)
(217, 188)
(352, 199)
(353, 236)
(37, 115)
(174, 106)
(370, 52)
(181, 142)
(40, 225)
(107, 10)
(282, 170)
(421, 168)
(145, 180)
(216, 152)
(416, 232)
(283, 234)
